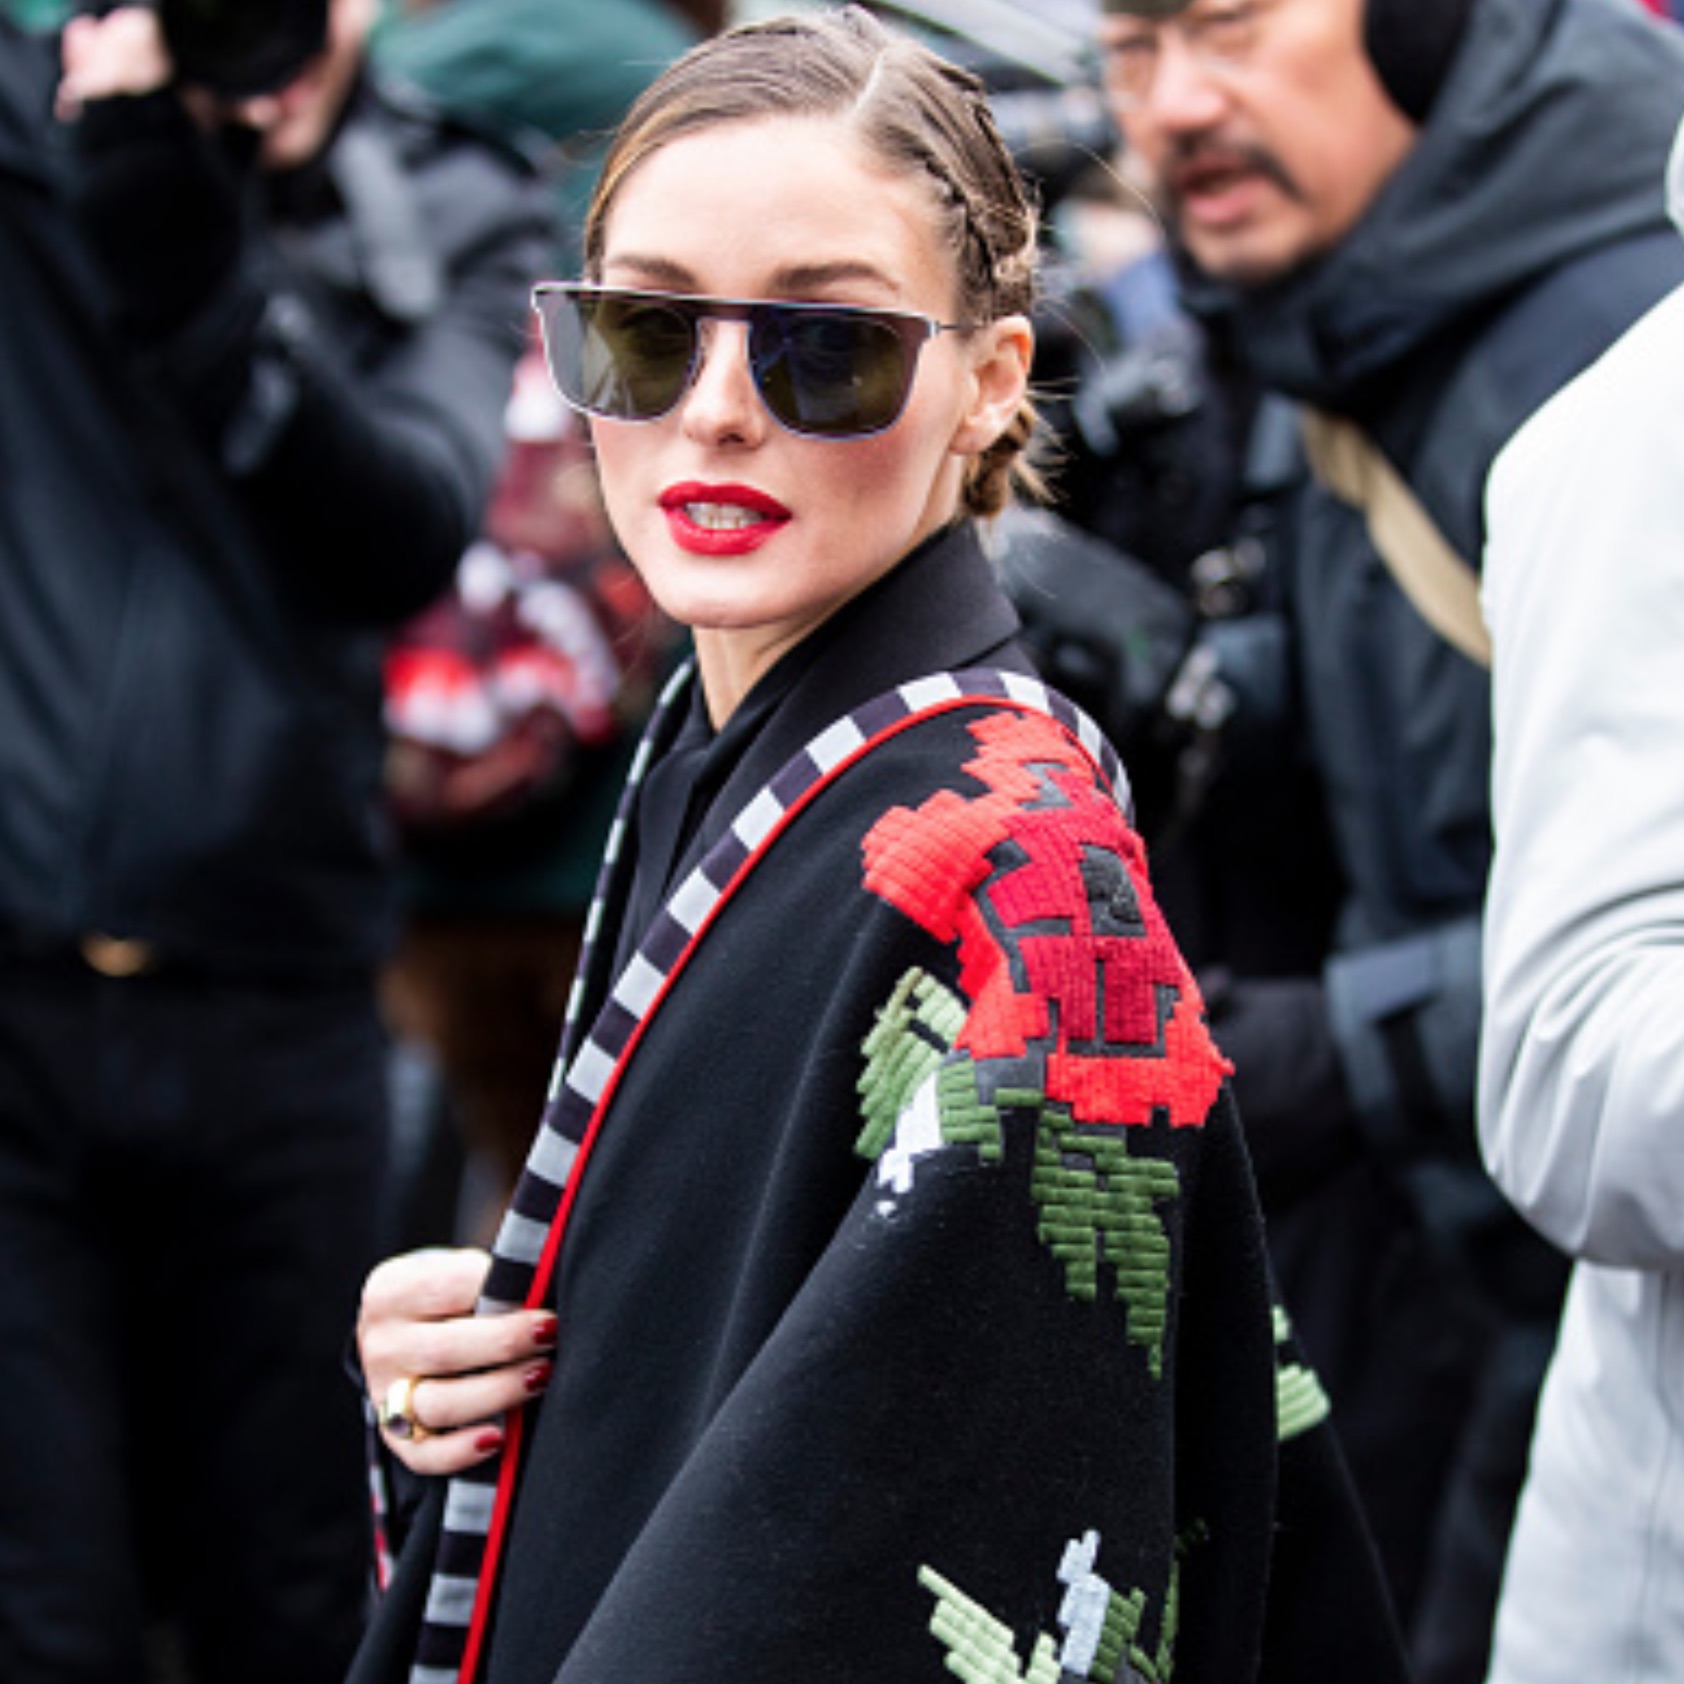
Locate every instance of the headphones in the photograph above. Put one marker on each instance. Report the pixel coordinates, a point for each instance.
(1411, 44)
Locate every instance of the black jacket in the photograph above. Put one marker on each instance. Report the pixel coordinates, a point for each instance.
(249, 423)
(1523, 234)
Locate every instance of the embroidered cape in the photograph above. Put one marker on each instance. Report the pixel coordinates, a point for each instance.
(915, 1319)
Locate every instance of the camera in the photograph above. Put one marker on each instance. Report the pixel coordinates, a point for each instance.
(238, 48)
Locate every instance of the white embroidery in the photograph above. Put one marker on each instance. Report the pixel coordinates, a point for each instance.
(917, 1135)
(1082, 1613)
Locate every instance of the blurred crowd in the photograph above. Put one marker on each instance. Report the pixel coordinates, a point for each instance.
(321, 669)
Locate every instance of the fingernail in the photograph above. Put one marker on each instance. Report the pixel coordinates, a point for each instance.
(537, 1377)
(547, 1331)
(489, 1440)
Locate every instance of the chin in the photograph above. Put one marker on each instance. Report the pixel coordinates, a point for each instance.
(704, 610)
(1246, 273)
(1246, 261)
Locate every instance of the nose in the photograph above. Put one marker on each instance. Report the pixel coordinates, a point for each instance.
(722, 404)
(1186, 93)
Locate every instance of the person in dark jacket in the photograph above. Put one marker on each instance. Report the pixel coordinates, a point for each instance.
(494, 889)
(253, 361)
(1417, 221)
(884, 1297)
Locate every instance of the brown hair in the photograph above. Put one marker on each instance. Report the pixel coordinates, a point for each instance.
(918, 113)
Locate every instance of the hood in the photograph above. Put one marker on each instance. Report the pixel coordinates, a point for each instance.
(1550, 138)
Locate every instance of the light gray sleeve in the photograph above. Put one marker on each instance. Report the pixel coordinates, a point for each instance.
(1582, 1061)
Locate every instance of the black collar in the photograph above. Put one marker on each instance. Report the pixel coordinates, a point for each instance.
(940, 609)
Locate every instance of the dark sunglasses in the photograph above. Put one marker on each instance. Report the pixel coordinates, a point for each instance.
(830, 371)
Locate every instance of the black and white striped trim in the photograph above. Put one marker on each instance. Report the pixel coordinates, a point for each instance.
(524, 1252)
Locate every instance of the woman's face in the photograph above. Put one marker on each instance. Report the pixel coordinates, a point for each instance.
(748, 533)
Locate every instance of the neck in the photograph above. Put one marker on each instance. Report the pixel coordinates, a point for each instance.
(729, 663)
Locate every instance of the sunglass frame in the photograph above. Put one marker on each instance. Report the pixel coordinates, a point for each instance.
(911, 330)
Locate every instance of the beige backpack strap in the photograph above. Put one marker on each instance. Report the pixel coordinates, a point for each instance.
(1431, 574)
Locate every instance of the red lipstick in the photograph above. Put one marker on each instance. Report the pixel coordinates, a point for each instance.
(721, 519)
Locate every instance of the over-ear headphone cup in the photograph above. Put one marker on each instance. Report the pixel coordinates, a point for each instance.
(1412, 44)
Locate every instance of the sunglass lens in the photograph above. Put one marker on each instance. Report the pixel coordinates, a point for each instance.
(826, 372)
(626, 358)
(832, 375)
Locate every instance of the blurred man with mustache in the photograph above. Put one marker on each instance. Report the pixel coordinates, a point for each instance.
(1421, 217)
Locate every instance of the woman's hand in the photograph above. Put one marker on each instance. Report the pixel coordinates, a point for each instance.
(451, 1375)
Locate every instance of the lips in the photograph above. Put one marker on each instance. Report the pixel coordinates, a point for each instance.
(721, 519)
(1209, 174)
(1217, 184)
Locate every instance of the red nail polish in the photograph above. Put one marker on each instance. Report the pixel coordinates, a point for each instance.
(491, 1439)
(547, 1331)
(537, 1377)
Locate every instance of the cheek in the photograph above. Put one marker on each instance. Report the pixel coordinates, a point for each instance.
(882, 474)
(615, 456)
(933, 418)
(900, 487)
(1143, 144)
(1331, 196)
(616, 460)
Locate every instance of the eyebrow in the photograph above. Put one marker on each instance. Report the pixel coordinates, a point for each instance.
(793, 281)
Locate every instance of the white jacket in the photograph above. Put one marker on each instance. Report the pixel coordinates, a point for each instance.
(1582, 1080)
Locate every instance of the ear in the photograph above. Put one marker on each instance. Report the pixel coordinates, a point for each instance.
(1001, 354)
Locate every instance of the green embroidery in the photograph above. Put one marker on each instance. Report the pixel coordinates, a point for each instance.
(1120, 1656)
(1100, 1627)
(911, 1036)
(980, 1648)
(1171, 1629)
(1117, 1638)
(1300, 1403)
(967, 1119)
(1098, 1201)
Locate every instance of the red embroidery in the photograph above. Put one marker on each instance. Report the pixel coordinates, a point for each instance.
(1063, 953)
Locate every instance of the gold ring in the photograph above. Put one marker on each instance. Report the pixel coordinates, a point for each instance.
(397, 1410)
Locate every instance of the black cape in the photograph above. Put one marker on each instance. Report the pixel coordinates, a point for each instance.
(915, 1317)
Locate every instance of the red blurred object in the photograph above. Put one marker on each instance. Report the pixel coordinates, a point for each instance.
(545, 648)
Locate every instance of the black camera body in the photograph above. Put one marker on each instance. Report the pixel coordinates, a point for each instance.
(237, 48)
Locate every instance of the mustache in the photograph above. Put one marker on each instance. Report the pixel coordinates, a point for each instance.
(1193, 152)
